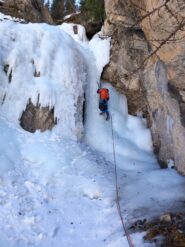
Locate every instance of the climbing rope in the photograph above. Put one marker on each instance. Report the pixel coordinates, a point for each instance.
(117, 191)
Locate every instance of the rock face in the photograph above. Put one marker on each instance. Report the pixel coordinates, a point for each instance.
(37, 118)
(128, 49)
(148, 65)
(29, 10)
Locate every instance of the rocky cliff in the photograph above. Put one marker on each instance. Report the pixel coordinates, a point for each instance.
(29, 10)
(148, 65)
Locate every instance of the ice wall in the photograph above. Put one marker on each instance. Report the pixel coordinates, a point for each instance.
(38, 59)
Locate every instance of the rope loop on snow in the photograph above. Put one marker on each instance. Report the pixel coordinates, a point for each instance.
(117, 190)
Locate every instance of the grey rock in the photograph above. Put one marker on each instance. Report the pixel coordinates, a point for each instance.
(157, 86)
(37, 118)
(28, 10)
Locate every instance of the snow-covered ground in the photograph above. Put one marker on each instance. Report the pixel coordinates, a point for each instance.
(57, 188)
(8, 17)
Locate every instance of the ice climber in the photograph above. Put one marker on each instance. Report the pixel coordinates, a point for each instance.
(103, 101)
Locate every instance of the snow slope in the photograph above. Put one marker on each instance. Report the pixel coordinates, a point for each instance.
(55, 190)
(55, 196)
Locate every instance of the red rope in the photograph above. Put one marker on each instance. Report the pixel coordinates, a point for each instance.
(117, 192)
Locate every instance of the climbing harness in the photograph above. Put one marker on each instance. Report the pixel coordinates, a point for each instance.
(117, 191)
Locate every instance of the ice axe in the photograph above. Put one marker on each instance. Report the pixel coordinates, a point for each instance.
(99, 85)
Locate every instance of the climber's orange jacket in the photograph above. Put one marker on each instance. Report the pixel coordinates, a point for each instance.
(104, 93)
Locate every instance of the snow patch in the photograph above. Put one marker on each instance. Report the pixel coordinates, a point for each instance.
(4, 17)
(76, 31)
